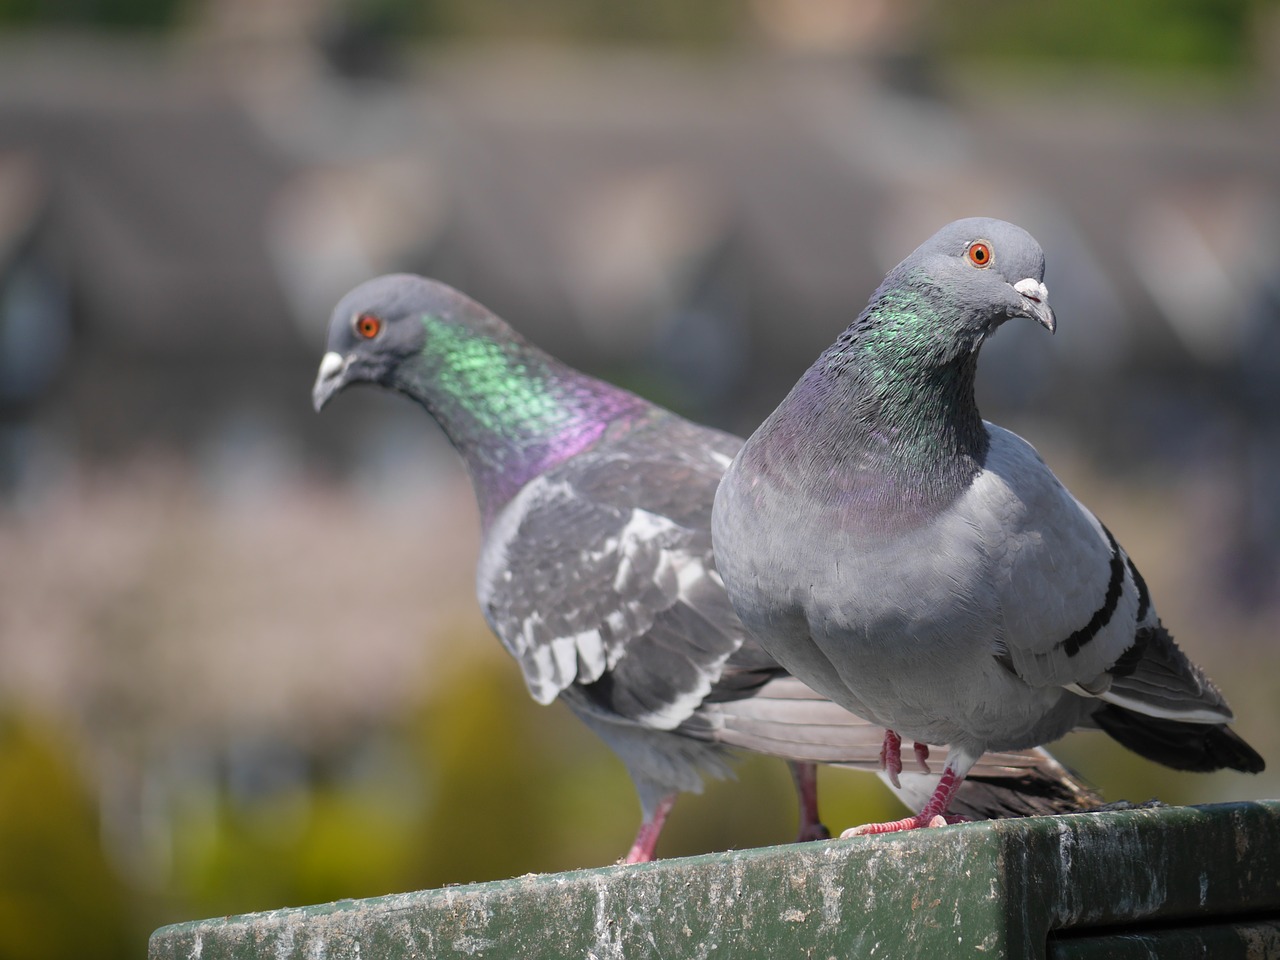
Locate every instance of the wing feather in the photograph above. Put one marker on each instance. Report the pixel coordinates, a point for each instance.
(1075, 611)
(600, 574)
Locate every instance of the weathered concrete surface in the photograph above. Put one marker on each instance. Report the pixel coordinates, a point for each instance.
(1041, 887)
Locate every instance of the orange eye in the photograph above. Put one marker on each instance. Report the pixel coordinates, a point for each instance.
(367, 325)
(980, 253)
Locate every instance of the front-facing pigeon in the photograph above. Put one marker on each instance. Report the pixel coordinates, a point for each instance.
(925, 568)
(596, 569)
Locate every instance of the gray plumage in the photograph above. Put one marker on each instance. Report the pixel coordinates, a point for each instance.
(926, 569)
(596, 569)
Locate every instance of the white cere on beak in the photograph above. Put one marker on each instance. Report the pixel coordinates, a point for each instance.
(331, 365)
(1032, 289)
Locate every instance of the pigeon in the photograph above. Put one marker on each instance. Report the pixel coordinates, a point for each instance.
(925, 568)
(596, 570)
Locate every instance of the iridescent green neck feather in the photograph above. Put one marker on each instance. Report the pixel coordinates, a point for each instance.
(884, 425)
(509, 409)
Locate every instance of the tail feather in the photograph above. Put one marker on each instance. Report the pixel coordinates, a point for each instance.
(1043, 788)
(1198, 747)
(1155, 677)
(787, 719)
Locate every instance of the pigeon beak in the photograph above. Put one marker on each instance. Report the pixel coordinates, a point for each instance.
(1035, 300)
(330, 379)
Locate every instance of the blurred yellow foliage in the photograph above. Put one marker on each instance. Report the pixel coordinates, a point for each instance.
(58, 895)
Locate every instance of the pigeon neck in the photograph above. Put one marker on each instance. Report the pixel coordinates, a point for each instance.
(887, 415)
(511, 411)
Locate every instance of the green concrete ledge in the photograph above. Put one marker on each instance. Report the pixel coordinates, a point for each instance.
(1167, 882)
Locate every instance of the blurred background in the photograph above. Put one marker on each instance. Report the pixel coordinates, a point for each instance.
(241, 666)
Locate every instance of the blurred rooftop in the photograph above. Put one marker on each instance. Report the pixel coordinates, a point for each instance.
(703, 224)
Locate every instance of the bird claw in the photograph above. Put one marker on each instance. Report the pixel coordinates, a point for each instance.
(922, 756)
(862, 830)
(813, 831)
(891, 757)
(933, 815)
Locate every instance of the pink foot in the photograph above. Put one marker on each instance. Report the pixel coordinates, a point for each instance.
(894, 826)
(891, 756)
(933, 815)
(907, 823)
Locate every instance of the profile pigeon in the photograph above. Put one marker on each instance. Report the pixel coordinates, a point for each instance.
(924, 568)
(596, 569)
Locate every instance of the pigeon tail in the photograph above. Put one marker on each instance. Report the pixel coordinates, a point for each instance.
(1155, 677)
(1197, 747)
(1043, 790)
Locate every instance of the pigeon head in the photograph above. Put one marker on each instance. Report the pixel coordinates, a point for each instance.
(378, 327)
(896, 389)
(979, 273)
(932, 313)
(507, 407)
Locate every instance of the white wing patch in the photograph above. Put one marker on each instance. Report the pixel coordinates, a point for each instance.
(642, 528)
(653, 571)
(676, 574)
(1145, 707)
(593, 660)
(1202, 715)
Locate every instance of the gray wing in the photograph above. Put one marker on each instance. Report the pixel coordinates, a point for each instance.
(1075, 610)
(599, 574)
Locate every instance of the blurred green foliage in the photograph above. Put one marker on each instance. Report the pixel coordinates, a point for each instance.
(478, 783)
(1140, 34)
(59, 896)
(106, 14)
(1159, 35)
